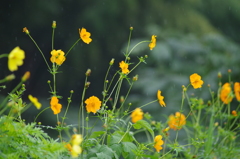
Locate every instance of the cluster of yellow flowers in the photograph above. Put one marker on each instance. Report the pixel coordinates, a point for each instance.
(74, 145)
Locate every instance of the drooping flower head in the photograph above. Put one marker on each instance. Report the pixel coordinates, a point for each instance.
(176, 121)
(158, 142)
(55, 106)
(136, 115)
(57, 57)
(93, 104)
(237, 90)
(85, 36)
(225, 94)
(196, 81)
(160, 99)
(15, 59)
(34, 100)
(153, 42)
(124, 67)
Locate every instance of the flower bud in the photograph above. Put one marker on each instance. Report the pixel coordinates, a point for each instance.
(135, 78)
(26, 76)
(112, 61)
(54, 24)
(131, 28)
(88, 72)
(10, 77)
(26, 30)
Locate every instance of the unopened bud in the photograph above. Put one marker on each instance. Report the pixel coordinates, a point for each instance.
(131, 28)
(26, 76)
(219, 75)
(122, 99)
(88, 72)
(229, 70)
(87, 84)
(10, 77)
(54, 24)
(112, 61)
(26, 30)
(135, 78)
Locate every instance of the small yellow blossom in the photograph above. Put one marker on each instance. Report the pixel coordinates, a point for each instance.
(158, 142)
(124, 67)
(34, 100)
(196, 81)
(225, 93)
(237, 90)
(136, 115)
(85, 36)
(57, 57)
(160, 99)
(234, 113)
(176, 122)
(55, 106)
(93, 104)
(153, 42)
(76, 150)
(15, 58)
(76, 139)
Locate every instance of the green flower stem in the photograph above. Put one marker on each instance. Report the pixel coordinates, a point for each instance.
(129, 40)
(40, 113)
(144, 105)
(40, 51)
(72, 47)
(112, 91)
(81, 110)
(126, 96)
(116, 97)
(53, 38)
(65, 114)
(4, 55)
(59, 130)
(135, 47)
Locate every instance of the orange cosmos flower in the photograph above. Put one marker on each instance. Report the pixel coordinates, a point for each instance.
(234, 113)
(237, 90)
(136, 115)
(176, 122)
(225, 94)
(158, 142)
(160, 99)
(153, 42)
(196, 81)
(124, 67)
(93, 104)
(57, 57)
(55, 106)
(85, 36)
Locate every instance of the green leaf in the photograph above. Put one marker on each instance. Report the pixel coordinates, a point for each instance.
(128, 150)
(97, 134)
(143, 124)
(119, 136)
(117, 148)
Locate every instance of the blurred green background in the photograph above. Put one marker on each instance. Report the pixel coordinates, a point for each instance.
(193, 36)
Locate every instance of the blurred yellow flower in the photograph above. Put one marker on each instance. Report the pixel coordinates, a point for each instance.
(158, 142)
(136, 115)
(55, 106)
(85, 36)
(237, 90)
(34, 100)
(76, 139)
(176, 122)
(153, 42)
(196, 81)
(15, 58)
(160, 99)
(75, 151)
(93, 104)
(225, 94)
(57, 57)
(26, 76)
(234, 113)
(124, 67)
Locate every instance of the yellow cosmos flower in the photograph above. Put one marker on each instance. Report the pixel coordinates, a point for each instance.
(237, 90)
(153, 42)
(15, 58)
(85, 36)
(158, 142)
(55, 106)
(225, 94)
(75, 151)
(57, 57)
(34, 100)
(136, 115)
(196, 81)
(176, 122)
(76, 139)
(160, 99)
(93, 104)
(124, 67)
(234, 113)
